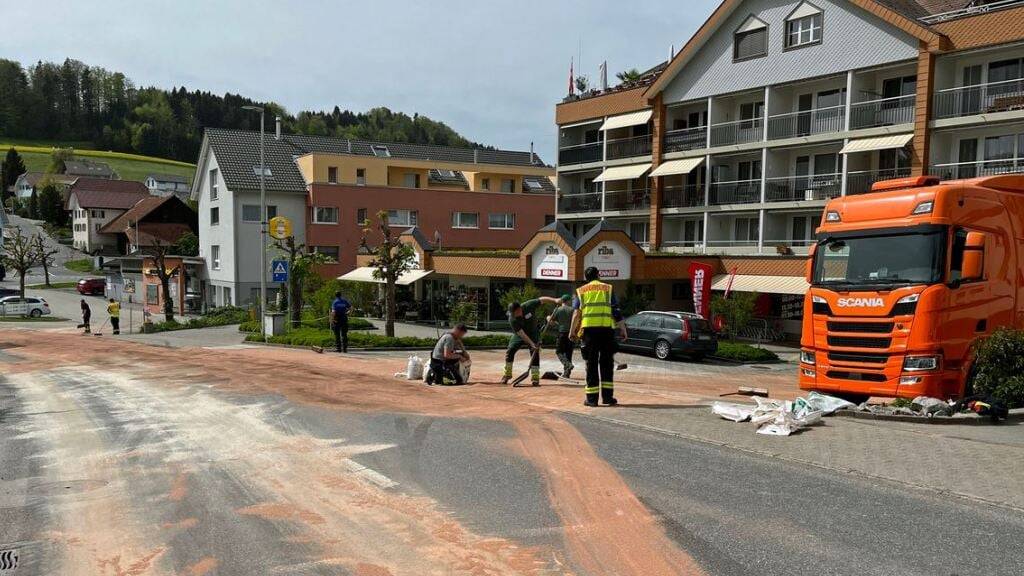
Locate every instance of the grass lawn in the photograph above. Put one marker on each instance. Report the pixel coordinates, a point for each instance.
(53, 286)
(83, 265)
(28, 319)
(128, 166)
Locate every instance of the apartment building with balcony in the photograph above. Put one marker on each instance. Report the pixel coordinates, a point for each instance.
(775, 106)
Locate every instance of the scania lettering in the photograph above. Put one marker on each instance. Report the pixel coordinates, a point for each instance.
(905, 279)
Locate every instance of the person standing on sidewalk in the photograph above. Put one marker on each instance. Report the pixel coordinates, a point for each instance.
(86, 316)
(596, 313)
(339, 321)
(114, 309)
(562, 319)
(522, 317)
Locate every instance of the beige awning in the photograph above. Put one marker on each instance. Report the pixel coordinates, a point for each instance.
(631, 172)
(626, 120)
(673, 167)
(365, 274)
(879, 143)
(764, 284)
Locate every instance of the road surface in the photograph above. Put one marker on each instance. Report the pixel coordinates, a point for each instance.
(127, 459)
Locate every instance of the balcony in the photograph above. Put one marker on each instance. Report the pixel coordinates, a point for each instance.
(806, 123)
(686, 139)
(688, 196)
(884, 112)
(691, 244)
(579, 203)
(731, 244)
(580, 154)
(739, 132)
(735, 192)
(622, 200)
(979, 99)
(861, 182)
(960, 170)
(803, 188)
(629, 147)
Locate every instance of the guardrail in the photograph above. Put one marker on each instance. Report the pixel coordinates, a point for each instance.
(687, 196)
(628, 147)
(860, 182)
(959, 170)
(580, 154)
(803, 188)
(636, 199)
(738, 132)
(979, 99)
(735, 192)
(806, 123)
(686, 139)
(884, 112)
(577, 203)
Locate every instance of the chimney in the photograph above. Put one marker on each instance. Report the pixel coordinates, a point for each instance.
(277, 128)
(476, 155)
(532, 156)
(349, 143)
(672, 52)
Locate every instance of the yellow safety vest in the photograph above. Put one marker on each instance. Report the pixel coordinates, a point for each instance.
(114, 309)
(596, 305)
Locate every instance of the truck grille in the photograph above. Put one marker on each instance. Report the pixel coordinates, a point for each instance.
(861, 357)
(862, 376)
(861, 327)
(859, 342)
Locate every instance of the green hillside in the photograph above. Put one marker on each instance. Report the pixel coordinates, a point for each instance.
(36, 155)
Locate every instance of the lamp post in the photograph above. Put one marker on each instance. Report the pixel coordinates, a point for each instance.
(263, 225)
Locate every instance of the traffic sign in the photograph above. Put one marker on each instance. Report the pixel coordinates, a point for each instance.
(280, 227)
(280, 270)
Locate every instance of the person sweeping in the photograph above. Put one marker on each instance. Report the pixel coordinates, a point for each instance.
(561, 318)
(522, 317)
(114, 310)
(596, 314)
(86, 316)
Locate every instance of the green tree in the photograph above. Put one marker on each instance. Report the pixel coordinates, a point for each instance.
(187, 245)
(737, 310)
(301, 267)
(999, 367)
(391, 259)
(626, 76)
(33, 206)
(57, 159)
(50, 205)
(518, 294)
(12, 167)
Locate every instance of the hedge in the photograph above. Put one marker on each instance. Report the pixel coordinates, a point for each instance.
(224, 316)
(325, 339)
(353, 324)
(744, 352)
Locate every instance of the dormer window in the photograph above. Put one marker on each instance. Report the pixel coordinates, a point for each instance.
(381, 151)
(803, 26)
(750, 40)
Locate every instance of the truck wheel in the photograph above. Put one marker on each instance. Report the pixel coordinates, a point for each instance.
(662, 350)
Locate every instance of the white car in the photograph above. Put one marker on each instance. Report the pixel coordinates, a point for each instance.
(12, 305)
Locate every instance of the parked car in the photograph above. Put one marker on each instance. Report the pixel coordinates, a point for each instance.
(667, 334)
(36, 306)
(95, 286)
(8, 292)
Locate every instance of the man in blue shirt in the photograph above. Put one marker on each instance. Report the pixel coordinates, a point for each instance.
(339, 321)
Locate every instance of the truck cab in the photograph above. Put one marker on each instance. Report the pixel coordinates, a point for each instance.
(905, 279)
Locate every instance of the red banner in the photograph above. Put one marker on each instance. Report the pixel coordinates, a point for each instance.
(700, 280)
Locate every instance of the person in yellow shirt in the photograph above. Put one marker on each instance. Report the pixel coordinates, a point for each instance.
(114, 309)
(596, 316)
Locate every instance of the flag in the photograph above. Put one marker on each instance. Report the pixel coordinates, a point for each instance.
(604, 75)
(732, 276)
(572, 85)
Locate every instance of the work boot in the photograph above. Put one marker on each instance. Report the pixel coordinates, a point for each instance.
(567, 370)
(611, 402)
(505, 380)
(590, 403)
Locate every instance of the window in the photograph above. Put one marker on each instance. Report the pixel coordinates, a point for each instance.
(325, 215)
(750, 40)
(332, 174)
(749, 112)
(271, 211)
(97, 227)
(747, 229)
(503, 221)
(749, 170)
(801, 228)
(360, 176)
(465, 220)
(381, 151)
(214, 216)
(250, 213)
(412, 180)
(638, 232)
(508, 185)
(804, 30)
(266, 171)
(215, 257)
(361, 218)
(402, 217)
(331, 252)
(826, 164)
(485, 184)
(693, 231)
(446, 173)
(214, 185)
(533, 185)
(152, 294)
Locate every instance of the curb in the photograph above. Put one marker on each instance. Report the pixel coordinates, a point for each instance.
(421, 349)
(969, 419)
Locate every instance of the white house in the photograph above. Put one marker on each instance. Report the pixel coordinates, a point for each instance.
(95, 202)
(167, 184)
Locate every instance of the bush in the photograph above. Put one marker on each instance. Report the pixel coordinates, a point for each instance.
(518, 294)
(83, 265)
(999, 366)
(224, 316)
(362, 296)
(463, 312)
(744, 352)
(325, 339)
(737, 309)
(319, 324)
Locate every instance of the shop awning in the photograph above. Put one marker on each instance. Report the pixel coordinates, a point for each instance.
(880, 143)
(365, 274)
(763, 284)
(674, 167)
(631, 172)
(626, 120)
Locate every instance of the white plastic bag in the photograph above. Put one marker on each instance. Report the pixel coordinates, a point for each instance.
(414, 369)
(734, 412)
(464, 367)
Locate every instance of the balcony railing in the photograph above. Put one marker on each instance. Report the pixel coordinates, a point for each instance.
(860, 182)
(578, 203)
(694, 244)
(806, 123)
(629, 147)
(803, 188)
(580, 154)
(735, 192)
(636, 199)
(884, 112)
(687, 196)
(791, 242)
(739, 132)
(686, 139)
(979, 99)
(960, 170)
(731, 243)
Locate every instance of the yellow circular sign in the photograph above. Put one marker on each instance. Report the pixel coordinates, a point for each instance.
(280, 227)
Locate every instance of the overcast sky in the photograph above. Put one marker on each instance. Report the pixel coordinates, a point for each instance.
(493, 70)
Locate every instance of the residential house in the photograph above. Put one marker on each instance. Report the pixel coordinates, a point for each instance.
(30, 182)
(95, 202)
(165, 184)
(151, 221)
(88, 169)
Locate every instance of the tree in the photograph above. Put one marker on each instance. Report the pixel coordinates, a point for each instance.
(187, 245)
(737, 310)
(626, 76)
(21, 255)
(45, 256)
(57, 159)
(12, 167)
(391, 259)
(50, 205)
(33, 206)
(301, 264)
(159, 253)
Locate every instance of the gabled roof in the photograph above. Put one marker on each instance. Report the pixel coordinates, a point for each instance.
(917, 9)
(420, 238)
(602, 226)
(87, 168)
(168, 178)
(558, 228)
(150, 233)
(105, 185)
(140, 210)
(33, 178)
(103, 193)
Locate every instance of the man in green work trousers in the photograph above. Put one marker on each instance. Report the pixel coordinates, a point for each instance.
(562, 319)
(525, 332)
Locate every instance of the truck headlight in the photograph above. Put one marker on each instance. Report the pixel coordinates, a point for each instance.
(807, 357)
(921, 363)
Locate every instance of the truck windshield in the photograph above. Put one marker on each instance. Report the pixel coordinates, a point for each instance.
(880, 260)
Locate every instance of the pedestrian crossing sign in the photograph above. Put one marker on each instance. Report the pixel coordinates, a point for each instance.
(279, 268)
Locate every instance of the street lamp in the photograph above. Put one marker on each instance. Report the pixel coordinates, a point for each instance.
(263, 226)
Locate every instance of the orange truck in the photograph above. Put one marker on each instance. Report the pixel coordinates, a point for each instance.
(905, 279)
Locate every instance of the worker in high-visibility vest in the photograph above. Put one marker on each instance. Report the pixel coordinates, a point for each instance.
(114, 309)
(595, 317)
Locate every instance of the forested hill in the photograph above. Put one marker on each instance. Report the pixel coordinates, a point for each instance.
(73, 102)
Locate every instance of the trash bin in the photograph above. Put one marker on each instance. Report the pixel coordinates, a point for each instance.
(273, 324)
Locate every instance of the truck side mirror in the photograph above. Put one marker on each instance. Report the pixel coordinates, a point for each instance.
(809, 265)
(974, 257)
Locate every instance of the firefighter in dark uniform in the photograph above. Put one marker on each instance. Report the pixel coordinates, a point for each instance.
(595, 317)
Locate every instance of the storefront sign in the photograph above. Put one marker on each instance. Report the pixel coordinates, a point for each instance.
(550, 263)
(611, 259)
(700, 279)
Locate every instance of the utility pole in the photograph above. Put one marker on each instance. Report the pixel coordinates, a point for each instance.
(263, 222)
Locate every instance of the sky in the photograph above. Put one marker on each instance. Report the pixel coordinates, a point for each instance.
(492, 70)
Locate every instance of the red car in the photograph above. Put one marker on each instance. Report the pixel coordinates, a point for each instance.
(94, 286)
